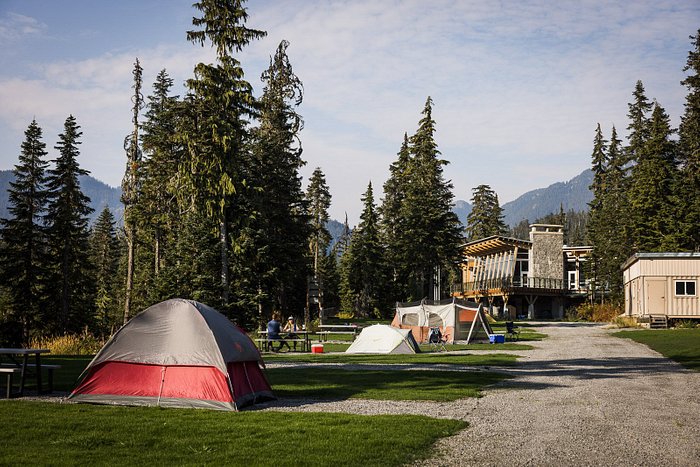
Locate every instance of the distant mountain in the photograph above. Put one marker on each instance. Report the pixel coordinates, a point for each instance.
(573, 194)
(100, 195)
(534, 204)
(462, 209)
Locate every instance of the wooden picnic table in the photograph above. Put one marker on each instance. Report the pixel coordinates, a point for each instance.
(19, 361)
(284, 335)
(326, 329)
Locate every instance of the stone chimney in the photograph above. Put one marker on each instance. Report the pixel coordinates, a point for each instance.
(546, 255)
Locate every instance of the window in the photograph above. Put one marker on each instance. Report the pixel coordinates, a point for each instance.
(685, 288)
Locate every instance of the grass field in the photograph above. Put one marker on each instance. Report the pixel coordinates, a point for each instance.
(68, 434)
(680, 345)
(335, 383)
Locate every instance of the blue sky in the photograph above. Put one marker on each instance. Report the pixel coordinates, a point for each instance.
(519, 86)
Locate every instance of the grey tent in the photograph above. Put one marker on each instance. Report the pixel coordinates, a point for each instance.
(177, 353)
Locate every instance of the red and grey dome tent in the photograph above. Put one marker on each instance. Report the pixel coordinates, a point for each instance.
(177, 353)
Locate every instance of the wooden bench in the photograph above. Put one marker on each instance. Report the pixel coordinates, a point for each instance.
(262, 343)
(10, 370)
(323, 335)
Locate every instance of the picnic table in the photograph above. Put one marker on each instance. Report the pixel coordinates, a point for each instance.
(303, 339)
(326, 329)
(18, 361)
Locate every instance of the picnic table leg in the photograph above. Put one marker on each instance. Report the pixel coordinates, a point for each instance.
(38, 373)
(23, 374)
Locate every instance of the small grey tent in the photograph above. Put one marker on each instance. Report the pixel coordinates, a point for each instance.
(384, 339)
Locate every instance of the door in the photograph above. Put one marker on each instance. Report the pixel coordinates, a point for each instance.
(656, 296)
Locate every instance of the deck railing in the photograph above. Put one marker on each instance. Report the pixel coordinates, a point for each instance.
(509, 283)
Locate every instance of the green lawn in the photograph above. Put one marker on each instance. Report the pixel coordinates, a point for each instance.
(68, 434)
(447, 358)
(336, 383)
(680, 345)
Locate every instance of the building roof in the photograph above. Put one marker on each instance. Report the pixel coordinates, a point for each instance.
(493, 244)
(666, 255)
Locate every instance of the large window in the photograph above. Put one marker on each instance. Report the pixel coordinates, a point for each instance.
(685, 288)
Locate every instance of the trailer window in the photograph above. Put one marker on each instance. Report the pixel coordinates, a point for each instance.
(685, 288)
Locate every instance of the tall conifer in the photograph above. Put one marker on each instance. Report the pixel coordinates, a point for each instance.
(486, 217)
(67, 226)
(23, 259)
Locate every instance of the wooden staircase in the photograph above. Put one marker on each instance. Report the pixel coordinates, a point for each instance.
(658, 322)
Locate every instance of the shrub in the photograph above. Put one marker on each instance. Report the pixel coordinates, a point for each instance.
(69, 344)
(596, 312)
(346, 315)
(625, 322)
(685, 324)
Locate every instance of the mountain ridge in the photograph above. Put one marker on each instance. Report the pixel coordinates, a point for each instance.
(572, 194)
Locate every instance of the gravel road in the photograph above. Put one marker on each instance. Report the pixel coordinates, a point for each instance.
(581, 397)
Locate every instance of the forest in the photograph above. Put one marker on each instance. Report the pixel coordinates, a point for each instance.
(215, 209)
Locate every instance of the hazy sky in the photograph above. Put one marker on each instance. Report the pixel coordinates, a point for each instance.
(518, 86)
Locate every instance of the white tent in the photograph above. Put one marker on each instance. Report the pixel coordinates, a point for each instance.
(457, 320)
(382, 338)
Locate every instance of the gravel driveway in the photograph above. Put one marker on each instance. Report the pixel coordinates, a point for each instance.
(581, 397)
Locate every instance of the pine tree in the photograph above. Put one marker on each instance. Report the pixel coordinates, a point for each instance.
(428, 234)
(651, 190)
(105, 253)
(391, 220)
(364, 278)
(639, 123)
(131, 184)
(157, 208)
(688, 215)
(486, 217)
(281, 227)
(23, 259)
(67, 228)
(220, 103)
(318, 197)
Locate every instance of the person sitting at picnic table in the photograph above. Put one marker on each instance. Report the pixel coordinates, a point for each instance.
(273, 333)
(291, 329)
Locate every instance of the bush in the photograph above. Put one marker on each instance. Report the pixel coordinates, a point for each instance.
(346, 315)
(625, 322)
(596, 312)
(685, 324)
(69, 344)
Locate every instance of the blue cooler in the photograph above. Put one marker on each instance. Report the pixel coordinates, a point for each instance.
(497, 338)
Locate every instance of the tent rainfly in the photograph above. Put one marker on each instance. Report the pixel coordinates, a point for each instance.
(177, 353)
(457, 320)
(384, 339)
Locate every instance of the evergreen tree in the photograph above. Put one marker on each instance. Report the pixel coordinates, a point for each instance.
(281, 227)
(428, 231)
(391, 220)
(318, 197)
(221, 102)
(157, 208)
(67, 228)
(364, 277)
(688, 216)
(105, 253)
(23, 259)
(639, 123)
(652, 186)
(131, 184)
(486, 217)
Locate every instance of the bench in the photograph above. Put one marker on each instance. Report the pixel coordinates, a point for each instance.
(262, 343)
(10, 370)
(324, 334)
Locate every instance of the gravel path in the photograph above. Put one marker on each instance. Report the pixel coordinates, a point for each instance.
(581, 397)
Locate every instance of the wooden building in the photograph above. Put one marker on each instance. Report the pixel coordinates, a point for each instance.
(662, 284)
(536, 279)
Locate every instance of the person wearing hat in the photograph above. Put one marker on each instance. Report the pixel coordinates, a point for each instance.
(291, 328)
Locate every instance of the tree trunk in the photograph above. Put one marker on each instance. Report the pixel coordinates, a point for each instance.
(129, 272)
(223, 234)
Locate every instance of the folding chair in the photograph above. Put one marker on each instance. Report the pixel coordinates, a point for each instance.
(437, 340)
(512, 330)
